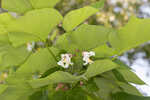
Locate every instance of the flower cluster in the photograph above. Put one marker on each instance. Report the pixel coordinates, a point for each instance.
(66, 59)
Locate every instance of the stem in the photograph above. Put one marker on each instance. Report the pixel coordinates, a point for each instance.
(25, 59)
(50, 51)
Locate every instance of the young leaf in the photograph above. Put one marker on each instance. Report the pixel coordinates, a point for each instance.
(135, 33)
(37, 22)
(99, 67)
(76, 17)
(19, 6)
(57, 77)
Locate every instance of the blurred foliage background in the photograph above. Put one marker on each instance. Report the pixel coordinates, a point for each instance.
(115, 13)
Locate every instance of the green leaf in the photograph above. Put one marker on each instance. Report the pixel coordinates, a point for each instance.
(38, 62)
(106, 88)
(76, 94)
(14, 56)
(135, 33)
(130, 76)
(104, 51)
(127, 74)
(99, 67)
(43, 4)
(20, 6)
(4, 40)
(59, 95)
(91, 36)
(3, 30)
(19, 38)
(15, 92)
(123, 85)
(57, 77)
(89, 98)
(76, 17)
(5, 19)
(118, 76)
(90, 86)
(64, 43)
(95, 36)
(37, 22)
(129, 88)
(125, 96)
(2, 88)
(4, 43)
(17, 89)
(72, 94)
(23, 6)
(99, 4)
(39, 95)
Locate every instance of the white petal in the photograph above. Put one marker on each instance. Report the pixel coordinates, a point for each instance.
(92, 53)
(71, 63)
(66, 66)
(60, 63)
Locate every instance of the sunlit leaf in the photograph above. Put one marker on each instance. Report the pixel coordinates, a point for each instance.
(38, 62)
(99, 67)
(88, 37)
(135, 33)
(57, 77)
(37, 22)
(76, 17)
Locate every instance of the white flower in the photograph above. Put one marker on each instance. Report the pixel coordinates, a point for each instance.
(65, 60)
(30, 46)
(86, 57)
